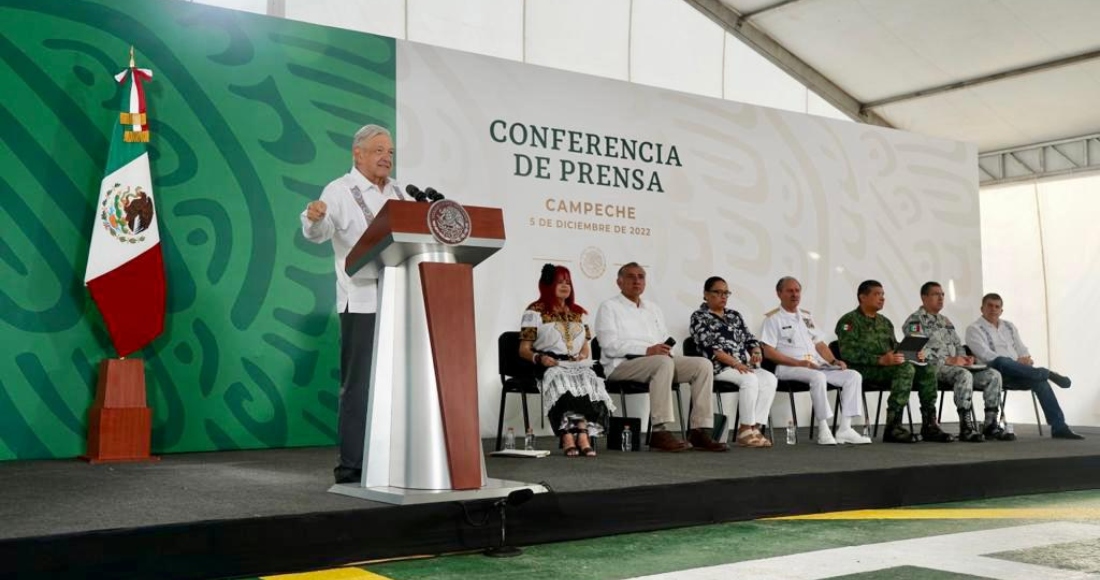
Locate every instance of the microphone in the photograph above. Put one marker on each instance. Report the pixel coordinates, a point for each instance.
(415, 192)
(433, 194)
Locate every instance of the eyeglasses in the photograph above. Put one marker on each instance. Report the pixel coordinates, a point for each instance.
(722, 293)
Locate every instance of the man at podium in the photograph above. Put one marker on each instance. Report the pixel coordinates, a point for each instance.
(346, 207)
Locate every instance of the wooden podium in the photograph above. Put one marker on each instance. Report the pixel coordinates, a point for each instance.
(423, 439)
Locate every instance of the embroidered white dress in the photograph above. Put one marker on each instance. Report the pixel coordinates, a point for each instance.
(570, 390)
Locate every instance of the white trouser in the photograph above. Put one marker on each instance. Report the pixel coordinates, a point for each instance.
(756, 391)
(849, 381)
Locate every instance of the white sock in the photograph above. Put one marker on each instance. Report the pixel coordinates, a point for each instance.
(845, 423)
(823, 424)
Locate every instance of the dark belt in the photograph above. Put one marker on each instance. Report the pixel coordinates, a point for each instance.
(555, 355)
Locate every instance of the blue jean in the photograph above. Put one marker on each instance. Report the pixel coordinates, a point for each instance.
(1018, 376)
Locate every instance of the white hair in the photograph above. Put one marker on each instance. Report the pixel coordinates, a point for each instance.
(367, 133)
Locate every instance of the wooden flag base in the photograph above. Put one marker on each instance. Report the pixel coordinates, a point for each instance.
(120, 426)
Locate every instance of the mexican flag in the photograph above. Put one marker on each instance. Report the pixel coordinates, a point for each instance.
(125, 272)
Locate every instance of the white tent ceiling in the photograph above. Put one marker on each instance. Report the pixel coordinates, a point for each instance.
(1000, 73)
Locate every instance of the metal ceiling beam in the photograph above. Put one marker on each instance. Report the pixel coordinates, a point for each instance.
(760, 11)
(1030, 162)
(737, 25)
(1008, 74)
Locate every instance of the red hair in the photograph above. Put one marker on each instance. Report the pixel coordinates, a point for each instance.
(548, 290)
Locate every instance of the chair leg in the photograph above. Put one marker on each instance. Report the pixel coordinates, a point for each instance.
(939, 414)
(680, 412)
(526, 415)
(878, 411)
(500, 419)
(1004, 406)
(794, 415)
(1035, 405)
(813, 423)
(718, 399)
(836, 411)
(622, 399)
(866, 414)
(909, 413)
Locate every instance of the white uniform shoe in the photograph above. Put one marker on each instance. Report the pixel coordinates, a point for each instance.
(825, 437)
(851, 437)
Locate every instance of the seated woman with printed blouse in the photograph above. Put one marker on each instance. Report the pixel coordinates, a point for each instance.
(554, 336)
(720, 335)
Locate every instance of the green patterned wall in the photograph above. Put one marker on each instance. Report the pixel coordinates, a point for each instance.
(250, 117)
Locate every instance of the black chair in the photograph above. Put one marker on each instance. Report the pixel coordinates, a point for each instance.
(1006, 386)
(874, 386)
(792, 387)
(624, 388)
(516, 376)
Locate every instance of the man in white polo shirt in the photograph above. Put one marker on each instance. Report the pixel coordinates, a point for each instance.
(632, 334)
(996, 342)
(797, 347)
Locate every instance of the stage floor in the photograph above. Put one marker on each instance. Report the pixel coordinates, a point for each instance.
(45, 498)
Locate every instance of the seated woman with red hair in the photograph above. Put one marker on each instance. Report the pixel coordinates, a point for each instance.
(554, 336)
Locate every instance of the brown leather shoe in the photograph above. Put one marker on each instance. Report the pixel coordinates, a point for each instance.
(701, 440)
(665, 441)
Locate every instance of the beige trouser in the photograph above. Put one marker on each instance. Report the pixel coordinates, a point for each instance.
(660, 371)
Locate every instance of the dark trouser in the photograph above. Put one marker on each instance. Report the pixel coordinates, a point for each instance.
(1021, 377)
(356, 352)
(903, 379)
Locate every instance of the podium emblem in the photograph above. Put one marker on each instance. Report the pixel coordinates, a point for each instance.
(448, 222)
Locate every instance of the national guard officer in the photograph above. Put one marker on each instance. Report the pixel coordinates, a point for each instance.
(868, 343)
(947, 355)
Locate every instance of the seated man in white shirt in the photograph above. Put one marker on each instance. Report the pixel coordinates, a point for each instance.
(347, 206)
(996, 342)
(794, 343)
(632, 334)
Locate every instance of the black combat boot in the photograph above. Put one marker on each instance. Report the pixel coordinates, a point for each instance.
(930, 430)
(968, 431)
(894, 432)
(994, 431)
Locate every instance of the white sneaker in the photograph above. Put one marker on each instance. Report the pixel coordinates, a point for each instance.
(825, 437)
(851, 437)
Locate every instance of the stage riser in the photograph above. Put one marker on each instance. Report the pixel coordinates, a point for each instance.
(256, 546)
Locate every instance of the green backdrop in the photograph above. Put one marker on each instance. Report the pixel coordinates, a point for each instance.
(250, 117)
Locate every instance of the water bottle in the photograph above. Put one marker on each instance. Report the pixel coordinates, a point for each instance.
(1009, 429)
(866, 431)
(792, 433)
(529, 440)
(510, 439)
(628, 439)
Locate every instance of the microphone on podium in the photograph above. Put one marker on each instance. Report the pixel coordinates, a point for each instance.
(433, 194)
(415, 192)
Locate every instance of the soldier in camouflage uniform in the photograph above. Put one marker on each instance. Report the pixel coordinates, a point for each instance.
(947, 355)
(868, 344)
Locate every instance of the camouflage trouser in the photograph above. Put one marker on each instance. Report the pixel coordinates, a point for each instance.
(903, 379)
(964, 382)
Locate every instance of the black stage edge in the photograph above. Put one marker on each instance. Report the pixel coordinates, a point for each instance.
(249, 546)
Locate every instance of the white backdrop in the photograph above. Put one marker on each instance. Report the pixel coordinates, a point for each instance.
(760, 193)
(1041, 250)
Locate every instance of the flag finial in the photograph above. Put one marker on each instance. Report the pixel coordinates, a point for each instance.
(131, 56)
